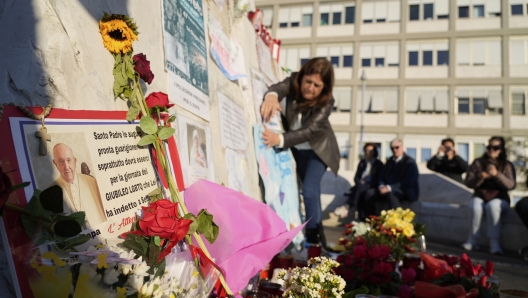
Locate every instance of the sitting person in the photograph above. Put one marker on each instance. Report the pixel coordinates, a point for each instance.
(522, 209)
(491, 176)
(367, 177)
(398, 181)
(447, 162)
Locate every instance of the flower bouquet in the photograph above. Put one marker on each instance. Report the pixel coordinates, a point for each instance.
(374, 248)
(316, 280)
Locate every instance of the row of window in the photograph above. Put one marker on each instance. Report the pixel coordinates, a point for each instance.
(469, 52)
(476, 101)
(387, 11)
(420, 153)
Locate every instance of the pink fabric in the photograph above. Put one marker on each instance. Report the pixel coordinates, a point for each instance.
(250, 235)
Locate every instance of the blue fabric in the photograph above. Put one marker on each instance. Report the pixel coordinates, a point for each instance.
(311, 170)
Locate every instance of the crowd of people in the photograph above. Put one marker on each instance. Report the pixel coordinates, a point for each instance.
(490, 176)
(305, 102)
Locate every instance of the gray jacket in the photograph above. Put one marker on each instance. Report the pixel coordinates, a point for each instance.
(315, 129)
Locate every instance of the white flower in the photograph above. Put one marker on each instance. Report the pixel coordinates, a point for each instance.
(135, 282)
(111, 277)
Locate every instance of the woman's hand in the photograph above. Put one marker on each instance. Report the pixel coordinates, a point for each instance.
(270, 106)
(492, 170)
(270, 138)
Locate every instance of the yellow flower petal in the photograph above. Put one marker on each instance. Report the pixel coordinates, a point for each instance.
(101, 258)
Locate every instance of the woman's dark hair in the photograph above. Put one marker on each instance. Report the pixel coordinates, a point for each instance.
(501, 161)
(315, 66)
(374, 150)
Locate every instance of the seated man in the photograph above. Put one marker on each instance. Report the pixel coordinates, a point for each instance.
(398, 181)
(367, 177)
(447, 162)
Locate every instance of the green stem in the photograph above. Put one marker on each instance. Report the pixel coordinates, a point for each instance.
(19, 209)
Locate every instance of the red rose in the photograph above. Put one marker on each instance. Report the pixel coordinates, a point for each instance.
(384, 251)
(142, 66)
(404, 292)
(489, 268)
(158, 99)
(360, 252)
(5, 188)
(408, 275)
(374, 252)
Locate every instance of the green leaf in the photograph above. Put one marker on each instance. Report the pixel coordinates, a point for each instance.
(153, 252)
(155, 195)
(148, 139)
(157, 240)
(79, 217)
(132, 113)
(206, 226)
(21, 185)
(194, 226)
(139, 249)
(148, 125)
(160, 268)
(171, 119)
(166, 132)
(129, 67)
(76, 241)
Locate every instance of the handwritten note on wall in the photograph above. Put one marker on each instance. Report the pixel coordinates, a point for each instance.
(232, 124)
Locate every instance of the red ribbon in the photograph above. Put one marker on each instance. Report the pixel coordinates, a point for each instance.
(203, 260)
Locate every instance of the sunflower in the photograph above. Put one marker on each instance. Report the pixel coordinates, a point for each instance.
(118, 32)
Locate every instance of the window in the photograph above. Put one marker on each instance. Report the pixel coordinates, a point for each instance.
(517, 10)
(463, 151)
(380, 20)
(325, 17)
(304, 60)
(348, 60)
(443, 16)
(414, 12)
(307, 20)
(367, 21)
(442, 58)
(427, 58)
(365, 62)
(283, 25)
(336, 19)
(478, 11)
(426, 154)
(350, 15)
(411, 152)
(478, 149)
(463, 105)
(428, 11)
(295, 24)
(335, 61)
(518, 104)
(463, 12)
(413, 58)
(479, 106)
(380, 62)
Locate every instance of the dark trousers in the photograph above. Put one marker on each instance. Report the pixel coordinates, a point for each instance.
(310, 169)
(357, 198)
(522, 209)
(375, 202)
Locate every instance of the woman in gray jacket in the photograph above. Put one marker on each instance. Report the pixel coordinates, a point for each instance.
(306, 104)
(491, 176)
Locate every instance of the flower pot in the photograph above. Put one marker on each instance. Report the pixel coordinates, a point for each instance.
(257, 294)
(365, 296)
(512, 293)
(274, 289)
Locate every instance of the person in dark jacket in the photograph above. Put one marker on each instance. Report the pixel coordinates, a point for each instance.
(491, 176)
(522, 209)
(367, 177)
(307, 105)
(447, 162)
(398, 181)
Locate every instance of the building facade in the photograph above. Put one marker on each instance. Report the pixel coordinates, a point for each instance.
(434, 69)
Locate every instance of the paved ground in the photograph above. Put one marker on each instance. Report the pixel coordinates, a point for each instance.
(510, 269)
